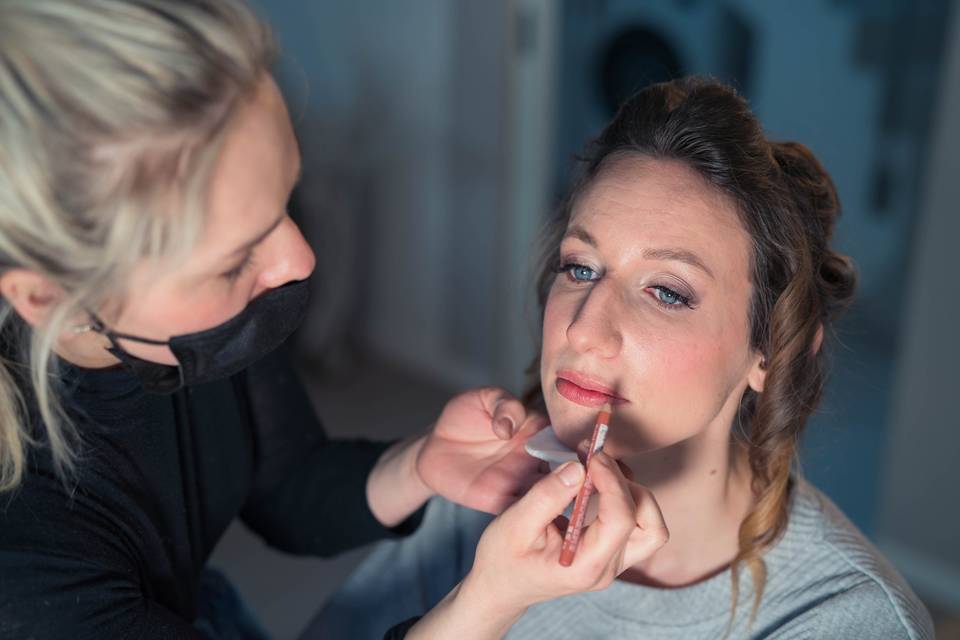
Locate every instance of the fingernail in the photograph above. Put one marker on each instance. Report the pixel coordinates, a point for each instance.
(602, 458)
(570, 473)
(583, 448)
(504, 426)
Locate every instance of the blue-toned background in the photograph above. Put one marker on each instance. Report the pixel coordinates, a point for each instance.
(437, 134)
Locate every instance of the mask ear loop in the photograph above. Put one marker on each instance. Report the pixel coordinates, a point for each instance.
(165, 382)
(99, 326)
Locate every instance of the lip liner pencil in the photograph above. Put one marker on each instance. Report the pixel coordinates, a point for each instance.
(572, 538)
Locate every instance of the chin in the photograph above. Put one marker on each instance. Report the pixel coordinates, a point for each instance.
(571, 432)
(570, 422)
(623, 441)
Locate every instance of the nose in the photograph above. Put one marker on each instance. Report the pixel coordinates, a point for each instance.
(289, 258)
(594, 328)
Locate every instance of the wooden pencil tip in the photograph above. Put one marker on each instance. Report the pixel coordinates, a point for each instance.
(606, 407)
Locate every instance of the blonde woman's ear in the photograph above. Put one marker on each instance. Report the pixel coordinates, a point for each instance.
(32, 295)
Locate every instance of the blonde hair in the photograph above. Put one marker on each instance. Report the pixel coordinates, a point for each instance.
(112, 113)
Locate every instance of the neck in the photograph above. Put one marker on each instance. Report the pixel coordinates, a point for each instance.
(87, 350)
(703, 488)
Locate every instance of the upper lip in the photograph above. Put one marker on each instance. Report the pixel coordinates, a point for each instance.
(587, 382)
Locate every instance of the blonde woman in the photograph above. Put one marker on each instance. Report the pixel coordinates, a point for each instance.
(689, 281)
(149, 276)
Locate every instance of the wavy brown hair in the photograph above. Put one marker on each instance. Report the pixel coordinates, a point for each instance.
(788, 205)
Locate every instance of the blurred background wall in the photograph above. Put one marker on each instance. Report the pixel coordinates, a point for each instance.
(919, 489)
(437, 134)
(409, 119)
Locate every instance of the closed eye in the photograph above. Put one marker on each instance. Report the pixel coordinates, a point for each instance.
(234, 274)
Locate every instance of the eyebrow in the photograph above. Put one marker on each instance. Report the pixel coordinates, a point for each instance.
(276, 223)
(664, 253)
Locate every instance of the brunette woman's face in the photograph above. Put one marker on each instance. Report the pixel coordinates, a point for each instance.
(650, 311)
(249, 244)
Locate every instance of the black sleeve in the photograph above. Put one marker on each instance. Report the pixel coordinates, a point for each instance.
(68, 575)
(309, 493)
(398, 632)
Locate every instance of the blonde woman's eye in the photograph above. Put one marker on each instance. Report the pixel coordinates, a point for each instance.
(234, 274)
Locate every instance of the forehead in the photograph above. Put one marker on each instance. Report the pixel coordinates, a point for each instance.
(255, 169)
(637, 203)
(666, 189)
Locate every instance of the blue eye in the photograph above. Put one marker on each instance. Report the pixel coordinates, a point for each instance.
(580, 273)
(670, 298)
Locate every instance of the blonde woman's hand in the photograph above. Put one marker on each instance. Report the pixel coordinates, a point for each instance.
(474, 453)
(517, 560)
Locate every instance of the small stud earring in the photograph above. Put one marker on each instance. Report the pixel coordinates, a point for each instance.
(94, 325)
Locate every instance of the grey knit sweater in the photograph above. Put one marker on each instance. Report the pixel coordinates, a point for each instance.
(824, 580)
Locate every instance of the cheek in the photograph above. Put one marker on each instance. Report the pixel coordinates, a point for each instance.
(178, 313)
(677, 384)
(555, 325)
(159, 313)
(558, 313)
(681, 387)
(554, 342)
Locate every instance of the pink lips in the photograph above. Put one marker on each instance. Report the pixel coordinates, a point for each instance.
(585, 391)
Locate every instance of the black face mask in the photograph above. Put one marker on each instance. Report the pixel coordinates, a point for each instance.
(220, 351)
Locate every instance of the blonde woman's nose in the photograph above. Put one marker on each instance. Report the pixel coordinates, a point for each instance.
(289, 257)
(593, 327)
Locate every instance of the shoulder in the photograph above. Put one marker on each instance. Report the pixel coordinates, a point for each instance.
(51, 545)
(871, 610)
(828, 569)
(44, 517)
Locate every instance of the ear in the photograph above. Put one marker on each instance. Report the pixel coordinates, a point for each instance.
(32, 296)
(758, 373)
(818, 339)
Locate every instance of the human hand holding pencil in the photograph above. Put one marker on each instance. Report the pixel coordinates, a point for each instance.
(571, 538)
(517, 560)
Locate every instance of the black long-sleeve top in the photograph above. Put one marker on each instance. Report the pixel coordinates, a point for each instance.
(117, 553)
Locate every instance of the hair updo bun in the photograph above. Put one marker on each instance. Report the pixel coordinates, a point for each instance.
(815, 194)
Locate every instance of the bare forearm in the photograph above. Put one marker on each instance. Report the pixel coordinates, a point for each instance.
(394, 488)
(465, 614)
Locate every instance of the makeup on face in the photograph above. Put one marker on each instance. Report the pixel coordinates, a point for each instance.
(585, 390)
(648, 309)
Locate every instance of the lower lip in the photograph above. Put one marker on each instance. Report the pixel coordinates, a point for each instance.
(585, 397)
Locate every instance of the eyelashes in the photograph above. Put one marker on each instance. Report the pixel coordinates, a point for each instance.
(668, 297)
(578, 274)
(234, 274)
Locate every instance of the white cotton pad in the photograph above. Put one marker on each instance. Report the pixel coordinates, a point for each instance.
(546, 446)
